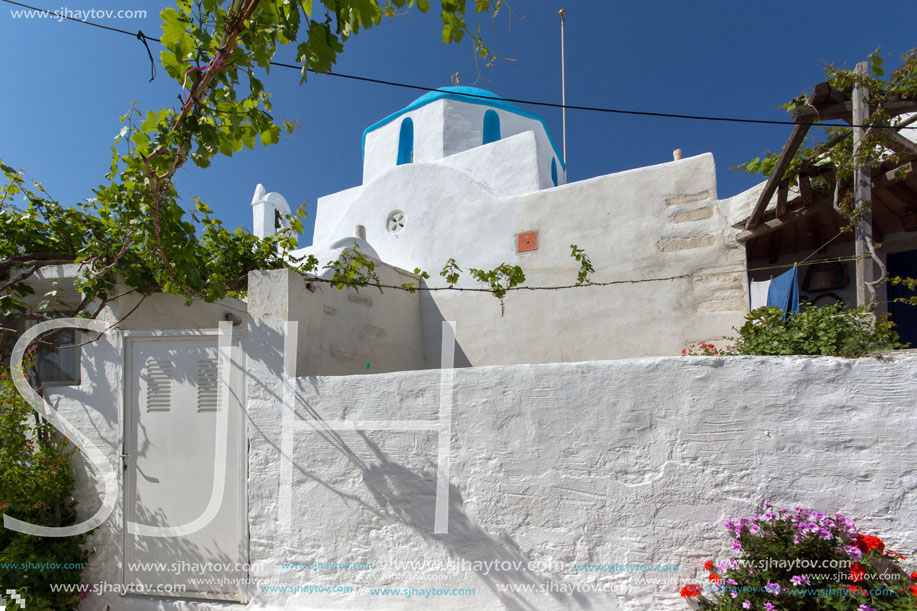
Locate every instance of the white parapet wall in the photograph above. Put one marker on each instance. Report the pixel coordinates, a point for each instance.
(662, 244)
(493, 487)
(551, 467)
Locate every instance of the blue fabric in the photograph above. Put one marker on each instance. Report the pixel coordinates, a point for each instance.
(784, 292)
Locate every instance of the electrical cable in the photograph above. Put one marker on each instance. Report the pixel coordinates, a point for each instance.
(366, 79)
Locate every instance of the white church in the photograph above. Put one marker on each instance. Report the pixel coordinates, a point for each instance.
(313, 425)
(461, 173)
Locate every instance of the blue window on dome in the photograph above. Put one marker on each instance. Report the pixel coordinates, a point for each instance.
(554, 171)
(491, 126)
(406, 142)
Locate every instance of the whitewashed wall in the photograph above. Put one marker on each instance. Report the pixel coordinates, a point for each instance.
(630, 462)
(659, 222)
(550, 466)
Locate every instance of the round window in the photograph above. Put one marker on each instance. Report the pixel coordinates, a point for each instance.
(395, 222)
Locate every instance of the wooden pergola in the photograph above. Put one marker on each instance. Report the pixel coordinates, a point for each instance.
(808, 220)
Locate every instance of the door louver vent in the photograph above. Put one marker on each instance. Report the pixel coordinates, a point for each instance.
(158, 385)
(208, 378)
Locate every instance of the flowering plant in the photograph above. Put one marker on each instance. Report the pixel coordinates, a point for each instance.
(803, 559)
(707, 350)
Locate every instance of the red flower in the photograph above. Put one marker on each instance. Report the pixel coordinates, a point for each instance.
(856, 590)
(856, 572)
(709, 565)
(913, 576)
(714, 577)
(690, 590)
(867, 543)
(913, 589)
(684, 351)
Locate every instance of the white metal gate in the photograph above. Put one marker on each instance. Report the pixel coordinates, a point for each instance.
(184, 532)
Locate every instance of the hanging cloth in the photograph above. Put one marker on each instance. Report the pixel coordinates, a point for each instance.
(784, 292)
(759, 292)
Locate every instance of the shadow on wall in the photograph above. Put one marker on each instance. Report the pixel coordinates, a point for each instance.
(410, 498)
(431, 319)
(401, 495)
(161, 563)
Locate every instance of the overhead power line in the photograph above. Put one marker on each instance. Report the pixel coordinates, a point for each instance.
(619, 111)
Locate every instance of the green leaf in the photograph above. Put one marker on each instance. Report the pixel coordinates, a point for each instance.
(141, 140)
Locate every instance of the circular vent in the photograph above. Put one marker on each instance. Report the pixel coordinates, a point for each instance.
(395, 222)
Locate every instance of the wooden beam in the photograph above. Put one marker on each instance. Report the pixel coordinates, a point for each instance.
(911, 181)
(900, 144)
(891, 201)
(830, 112)
(844, 111)
(776, 239)
(838, 221)
(896, 175)
(782, 191)
(899, 107)
(789, 150)
(824, 93)
(877, 234)
(815, 230)
(789, 218)
(862, 193)
(831, 177)
(805, 189)
(767, 246)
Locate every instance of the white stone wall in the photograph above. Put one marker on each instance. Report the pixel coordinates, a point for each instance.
(380, 151)
(343, 332)
(630, 462)
(487, 164)
(463, 130)
(95, 407)
(633, 461)
(658, 222)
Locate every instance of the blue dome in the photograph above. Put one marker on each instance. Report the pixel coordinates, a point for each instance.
(469, 95)
(473, 95)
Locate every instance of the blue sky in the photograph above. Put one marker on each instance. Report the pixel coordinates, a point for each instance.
(66, 84)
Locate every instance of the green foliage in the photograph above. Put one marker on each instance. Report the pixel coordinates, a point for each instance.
(451, 272)
(36, 485)
(410, 286)
(135, 233)
(910, 284)
(804, 560)
(831, 330)
(134, 230)
(196, 258)
(500, 279)
(585, 268)
(836, 149)
(353, 269)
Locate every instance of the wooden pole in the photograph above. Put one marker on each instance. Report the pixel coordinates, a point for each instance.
(562, 13)
(865, 270)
